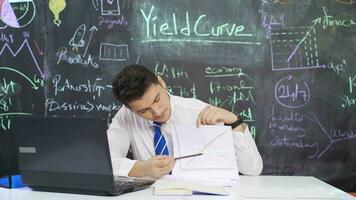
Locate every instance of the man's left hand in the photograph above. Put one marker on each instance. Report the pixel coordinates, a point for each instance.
(212, 115)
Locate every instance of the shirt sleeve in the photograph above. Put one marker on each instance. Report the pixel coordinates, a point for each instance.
(248, 158)
(119, 142)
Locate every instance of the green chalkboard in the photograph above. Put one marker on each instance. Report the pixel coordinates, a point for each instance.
(287, 66)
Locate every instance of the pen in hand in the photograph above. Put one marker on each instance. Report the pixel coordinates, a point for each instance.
(188, 156)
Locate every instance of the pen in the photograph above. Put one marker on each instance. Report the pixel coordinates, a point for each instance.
(188, 156)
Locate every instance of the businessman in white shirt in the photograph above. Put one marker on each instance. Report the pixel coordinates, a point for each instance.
(146, 103)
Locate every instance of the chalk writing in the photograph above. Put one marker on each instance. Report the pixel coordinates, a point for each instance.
(224, 72)
(247, 115)
(91, 87)
(230, 101)
(216, 87)
(110, 23)
(291, 94)
(52, 105)
(298, 144)
(253, 131)
(7, 38)
(334, 136)
(329, 20)
(290, 123)
(338, 134)
(8, 89)
(155, 29)
(337, 67)
(73, 58)
(170, 72)
(352, 83)
(182, 90)
(349, 100)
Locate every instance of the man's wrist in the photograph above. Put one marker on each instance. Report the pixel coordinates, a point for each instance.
(236, 123)
(138, 170)
(240, 128)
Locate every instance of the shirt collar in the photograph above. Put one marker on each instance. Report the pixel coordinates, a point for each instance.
(171, 97)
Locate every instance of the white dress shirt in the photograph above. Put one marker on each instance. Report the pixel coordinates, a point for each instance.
(127, 129)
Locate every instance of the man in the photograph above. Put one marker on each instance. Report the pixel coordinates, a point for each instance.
(148, 110)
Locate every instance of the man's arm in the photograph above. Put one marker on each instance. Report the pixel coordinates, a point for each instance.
(154, 167)
(248, 158)
(119, 142)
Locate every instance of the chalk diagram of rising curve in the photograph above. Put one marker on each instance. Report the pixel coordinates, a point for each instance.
(24, 14)
(34, 83)
(294, 48)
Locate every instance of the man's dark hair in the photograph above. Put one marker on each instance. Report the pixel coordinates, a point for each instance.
(131, 83)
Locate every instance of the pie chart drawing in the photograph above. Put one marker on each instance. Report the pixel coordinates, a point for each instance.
(16, 13)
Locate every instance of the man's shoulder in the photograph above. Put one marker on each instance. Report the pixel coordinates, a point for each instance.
(124, 113)
(189, 103)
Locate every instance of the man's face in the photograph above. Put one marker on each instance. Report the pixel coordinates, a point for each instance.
(154, 105)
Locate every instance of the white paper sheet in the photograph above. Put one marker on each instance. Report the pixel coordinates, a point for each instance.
(218, 161)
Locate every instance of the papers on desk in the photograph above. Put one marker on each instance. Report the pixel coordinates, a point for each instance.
(204, 174)
(217, 164)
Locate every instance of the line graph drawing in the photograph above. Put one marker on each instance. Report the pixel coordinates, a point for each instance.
(294, 48)
(24, 47)
(11, 88)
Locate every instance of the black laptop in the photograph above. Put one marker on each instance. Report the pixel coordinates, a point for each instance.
(65, 154)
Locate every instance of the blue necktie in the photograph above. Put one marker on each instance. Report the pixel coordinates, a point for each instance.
(159, 140)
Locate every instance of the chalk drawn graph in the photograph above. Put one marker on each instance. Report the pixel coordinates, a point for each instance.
(9, 88)
(294, 48)
(17, 13)
(24, 47)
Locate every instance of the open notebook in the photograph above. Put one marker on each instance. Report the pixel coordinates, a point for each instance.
(187, 188)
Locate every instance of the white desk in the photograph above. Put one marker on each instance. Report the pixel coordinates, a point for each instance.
(258, 187)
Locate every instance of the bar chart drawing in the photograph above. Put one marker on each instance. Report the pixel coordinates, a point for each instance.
(113, 52)
(294, 48)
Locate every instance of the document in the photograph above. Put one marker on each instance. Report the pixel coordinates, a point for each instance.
(217, 165)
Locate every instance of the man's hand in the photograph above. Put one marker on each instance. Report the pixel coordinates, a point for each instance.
(212, 115)
(154, 167)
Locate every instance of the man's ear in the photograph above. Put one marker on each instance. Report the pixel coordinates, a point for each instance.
(161, 81)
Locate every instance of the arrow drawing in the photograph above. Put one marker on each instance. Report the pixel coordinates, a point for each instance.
(40, 51)
(92, 29)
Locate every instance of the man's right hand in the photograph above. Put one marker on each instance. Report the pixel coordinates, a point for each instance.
(155, 167)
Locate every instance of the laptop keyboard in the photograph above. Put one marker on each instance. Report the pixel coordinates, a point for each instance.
(127, 184)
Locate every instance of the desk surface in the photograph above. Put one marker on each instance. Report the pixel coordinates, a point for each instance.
(249, 187)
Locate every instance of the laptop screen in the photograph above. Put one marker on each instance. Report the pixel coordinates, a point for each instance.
(63, 152)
